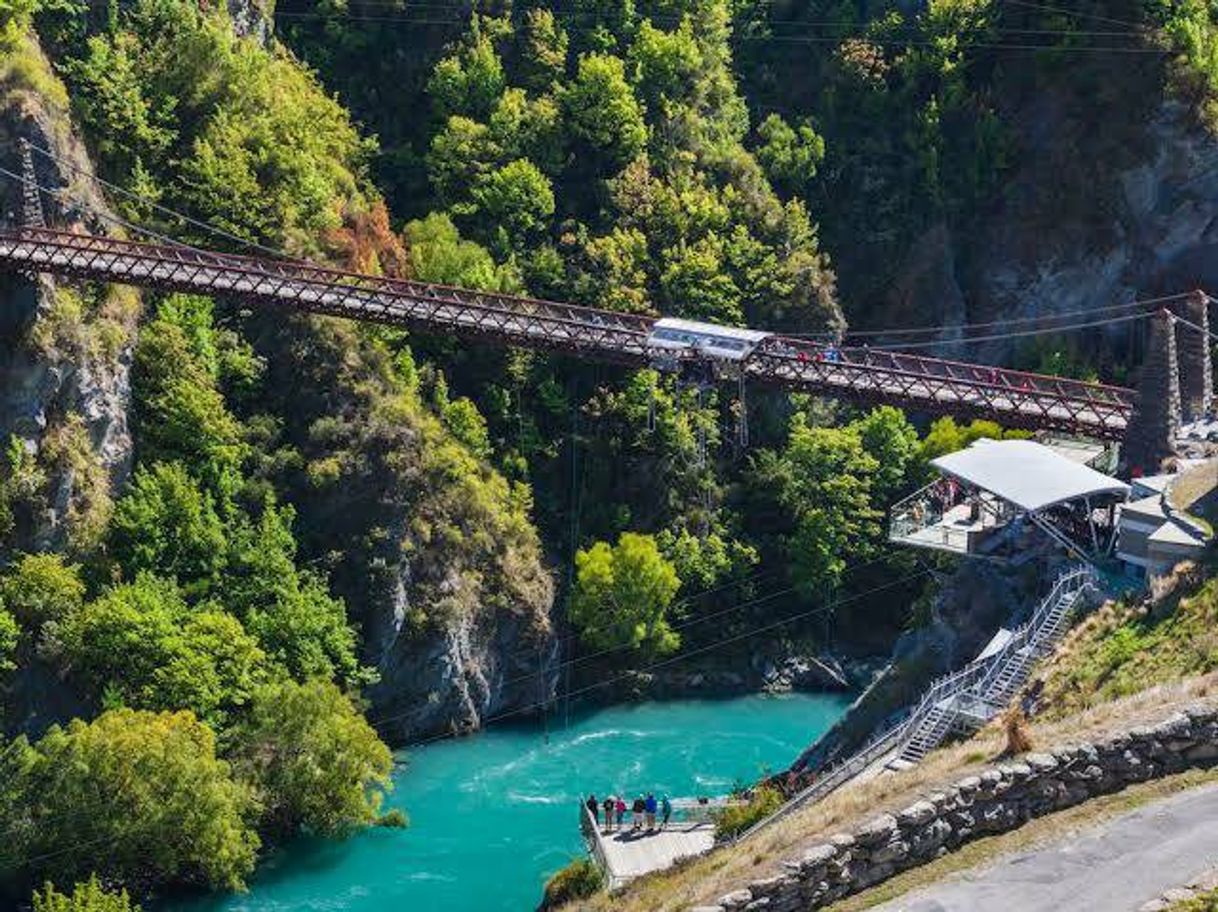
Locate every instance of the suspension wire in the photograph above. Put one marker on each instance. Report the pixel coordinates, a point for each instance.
(63, 194)
(1076, 13)
(143, 200)
(710, 647)
(1006, 321)
(780, 39)
(902, 346)
(562, 11)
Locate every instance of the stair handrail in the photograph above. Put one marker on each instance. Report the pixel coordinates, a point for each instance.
(1025, 634)
(976, 674)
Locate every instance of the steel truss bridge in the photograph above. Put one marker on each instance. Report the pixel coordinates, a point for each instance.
(914, 382)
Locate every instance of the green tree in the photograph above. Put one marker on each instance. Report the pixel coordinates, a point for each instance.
(439, 254)
(822, 485)
(165, 524)
(41, 587)
(946, 436)
(469, 81)
(516, 200)
(892, 441)
(529, 128)
(290, 612)
(694, 283)
(317, 765)
(10, 635)
(141, 643)
(790, 155)
(621, 594)
(467, 425)
(131, 796)
(460, 155)
(182, 415)
(667, 64)
(543, 58)
(89, 896)
(601, 109)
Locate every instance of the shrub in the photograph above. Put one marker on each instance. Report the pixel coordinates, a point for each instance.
(318, 765)
(137, 797)
(578, 880)
(86, 897)
(1015, 726)
(735, 819)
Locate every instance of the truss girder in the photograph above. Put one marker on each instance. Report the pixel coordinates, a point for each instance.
(1014, 398)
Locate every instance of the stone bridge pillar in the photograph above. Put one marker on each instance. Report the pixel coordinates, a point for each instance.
(1193, 348)
(1155, 423)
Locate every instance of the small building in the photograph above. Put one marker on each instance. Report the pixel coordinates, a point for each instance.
(1153, 536)
(993, 496)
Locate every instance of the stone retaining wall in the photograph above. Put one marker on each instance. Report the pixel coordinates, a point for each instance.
(1000, 799)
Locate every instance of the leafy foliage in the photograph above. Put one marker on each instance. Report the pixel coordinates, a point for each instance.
(318, 766)
(166, 524)
(10, 634)
(621, 594)
(41, 587)
(735, 819)
(580, 879)
(89, 896)
(258, 149)
(140, 642)
(133, 796)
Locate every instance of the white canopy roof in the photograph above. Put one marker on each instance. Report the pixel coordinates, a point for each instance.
(1027, 474)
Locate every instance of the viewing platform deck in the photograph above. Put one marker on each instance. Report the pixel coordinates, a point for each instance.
(624, 853)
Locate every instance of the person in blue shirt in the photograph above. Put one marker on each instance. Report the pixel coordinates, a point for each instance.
(651, 811)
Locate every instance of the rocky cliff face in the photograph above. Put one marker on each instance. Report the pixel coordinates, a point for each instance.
(1115, 197)
(65, 354)
(445, 581)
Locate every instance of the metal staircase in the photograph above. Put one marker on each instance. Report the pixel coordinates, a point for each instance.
(979, 691)
(963, 699)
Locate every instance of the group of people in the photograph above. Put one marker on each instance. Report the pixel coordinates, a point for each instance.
(643, 812)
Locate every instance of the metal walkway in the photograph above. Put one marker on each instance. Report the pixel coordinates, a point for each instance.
(933, 385)
(979, 691)
(963, 700)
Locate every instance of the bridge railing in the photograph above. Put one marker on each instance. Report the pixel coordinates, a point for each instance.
(1015, 398)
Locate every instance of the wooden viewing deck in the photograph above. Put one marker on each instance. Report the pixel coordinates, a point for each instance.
(625, 854)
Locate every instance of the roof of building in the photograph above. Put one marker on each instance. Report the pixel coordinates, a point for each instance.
(1027, 474)
(1156, 483)
(1174, 533)
(1151, 507)
(713, 329)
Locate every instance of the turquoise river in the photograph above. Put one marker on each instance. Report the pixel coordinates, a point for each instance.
(493, 814)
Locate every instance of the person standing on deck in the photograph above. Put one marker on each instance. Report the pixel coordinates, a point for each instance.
(594, 808)
(650, 806)
(637, 810)
(621, 811)
(610, 807)
(665, 811)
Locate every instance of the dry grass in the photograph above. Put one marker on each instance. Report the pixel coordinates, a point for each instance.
(705, 878)
(1015, 726)
(1193, 484)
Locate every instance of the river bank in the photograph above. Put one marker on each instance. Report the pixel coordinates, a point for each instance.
(493, 814)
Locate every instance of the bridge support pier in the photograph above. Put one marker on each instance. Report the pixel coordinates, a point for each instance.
(1193, 348)
(1155, 423)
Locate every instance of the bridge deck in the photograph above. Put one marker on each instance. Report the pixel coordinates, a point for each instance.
(1015, 398)
(631, 854)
